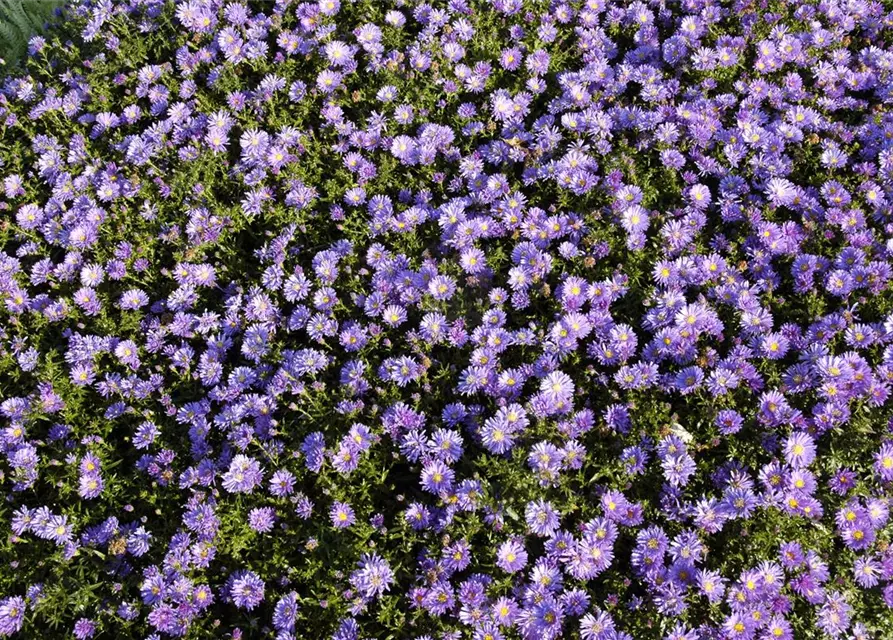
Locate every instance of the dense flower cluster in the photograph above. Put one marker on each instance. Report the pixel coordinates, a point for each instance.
(455, 319)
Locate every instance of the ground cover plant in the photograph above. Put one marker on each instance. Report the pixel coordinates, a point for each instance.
(451, 319)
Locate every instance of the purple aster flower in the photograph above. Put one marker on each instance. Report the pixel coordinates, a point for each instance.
(418, 516)
(437, 477)
(781, 192)
(243, 476)
(246, 589)
(313, 448)
(285, 613)
(799, 450)
(133, 299)
(678, 468)
(374, 576)
(557, 389)
(543, 621)
(711, 584)
(84, 628)
(883, 462)
(780, 628)
(442, 287)
(699, 196)
(834, 615)
(542, 518)
(282, 483)
(342, 515)
(867, 572)
(511, 556)
(842, 481)
(262, 519)
(90, 486)
(596, 626)
(12, 615)
(729, 422)
(303, 506)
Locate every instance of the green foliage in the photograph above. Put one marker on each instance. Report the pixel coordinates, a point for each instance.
(19, 21)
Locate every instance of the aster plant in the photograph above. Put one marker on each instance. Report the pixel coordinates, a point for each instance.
(507, 319)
